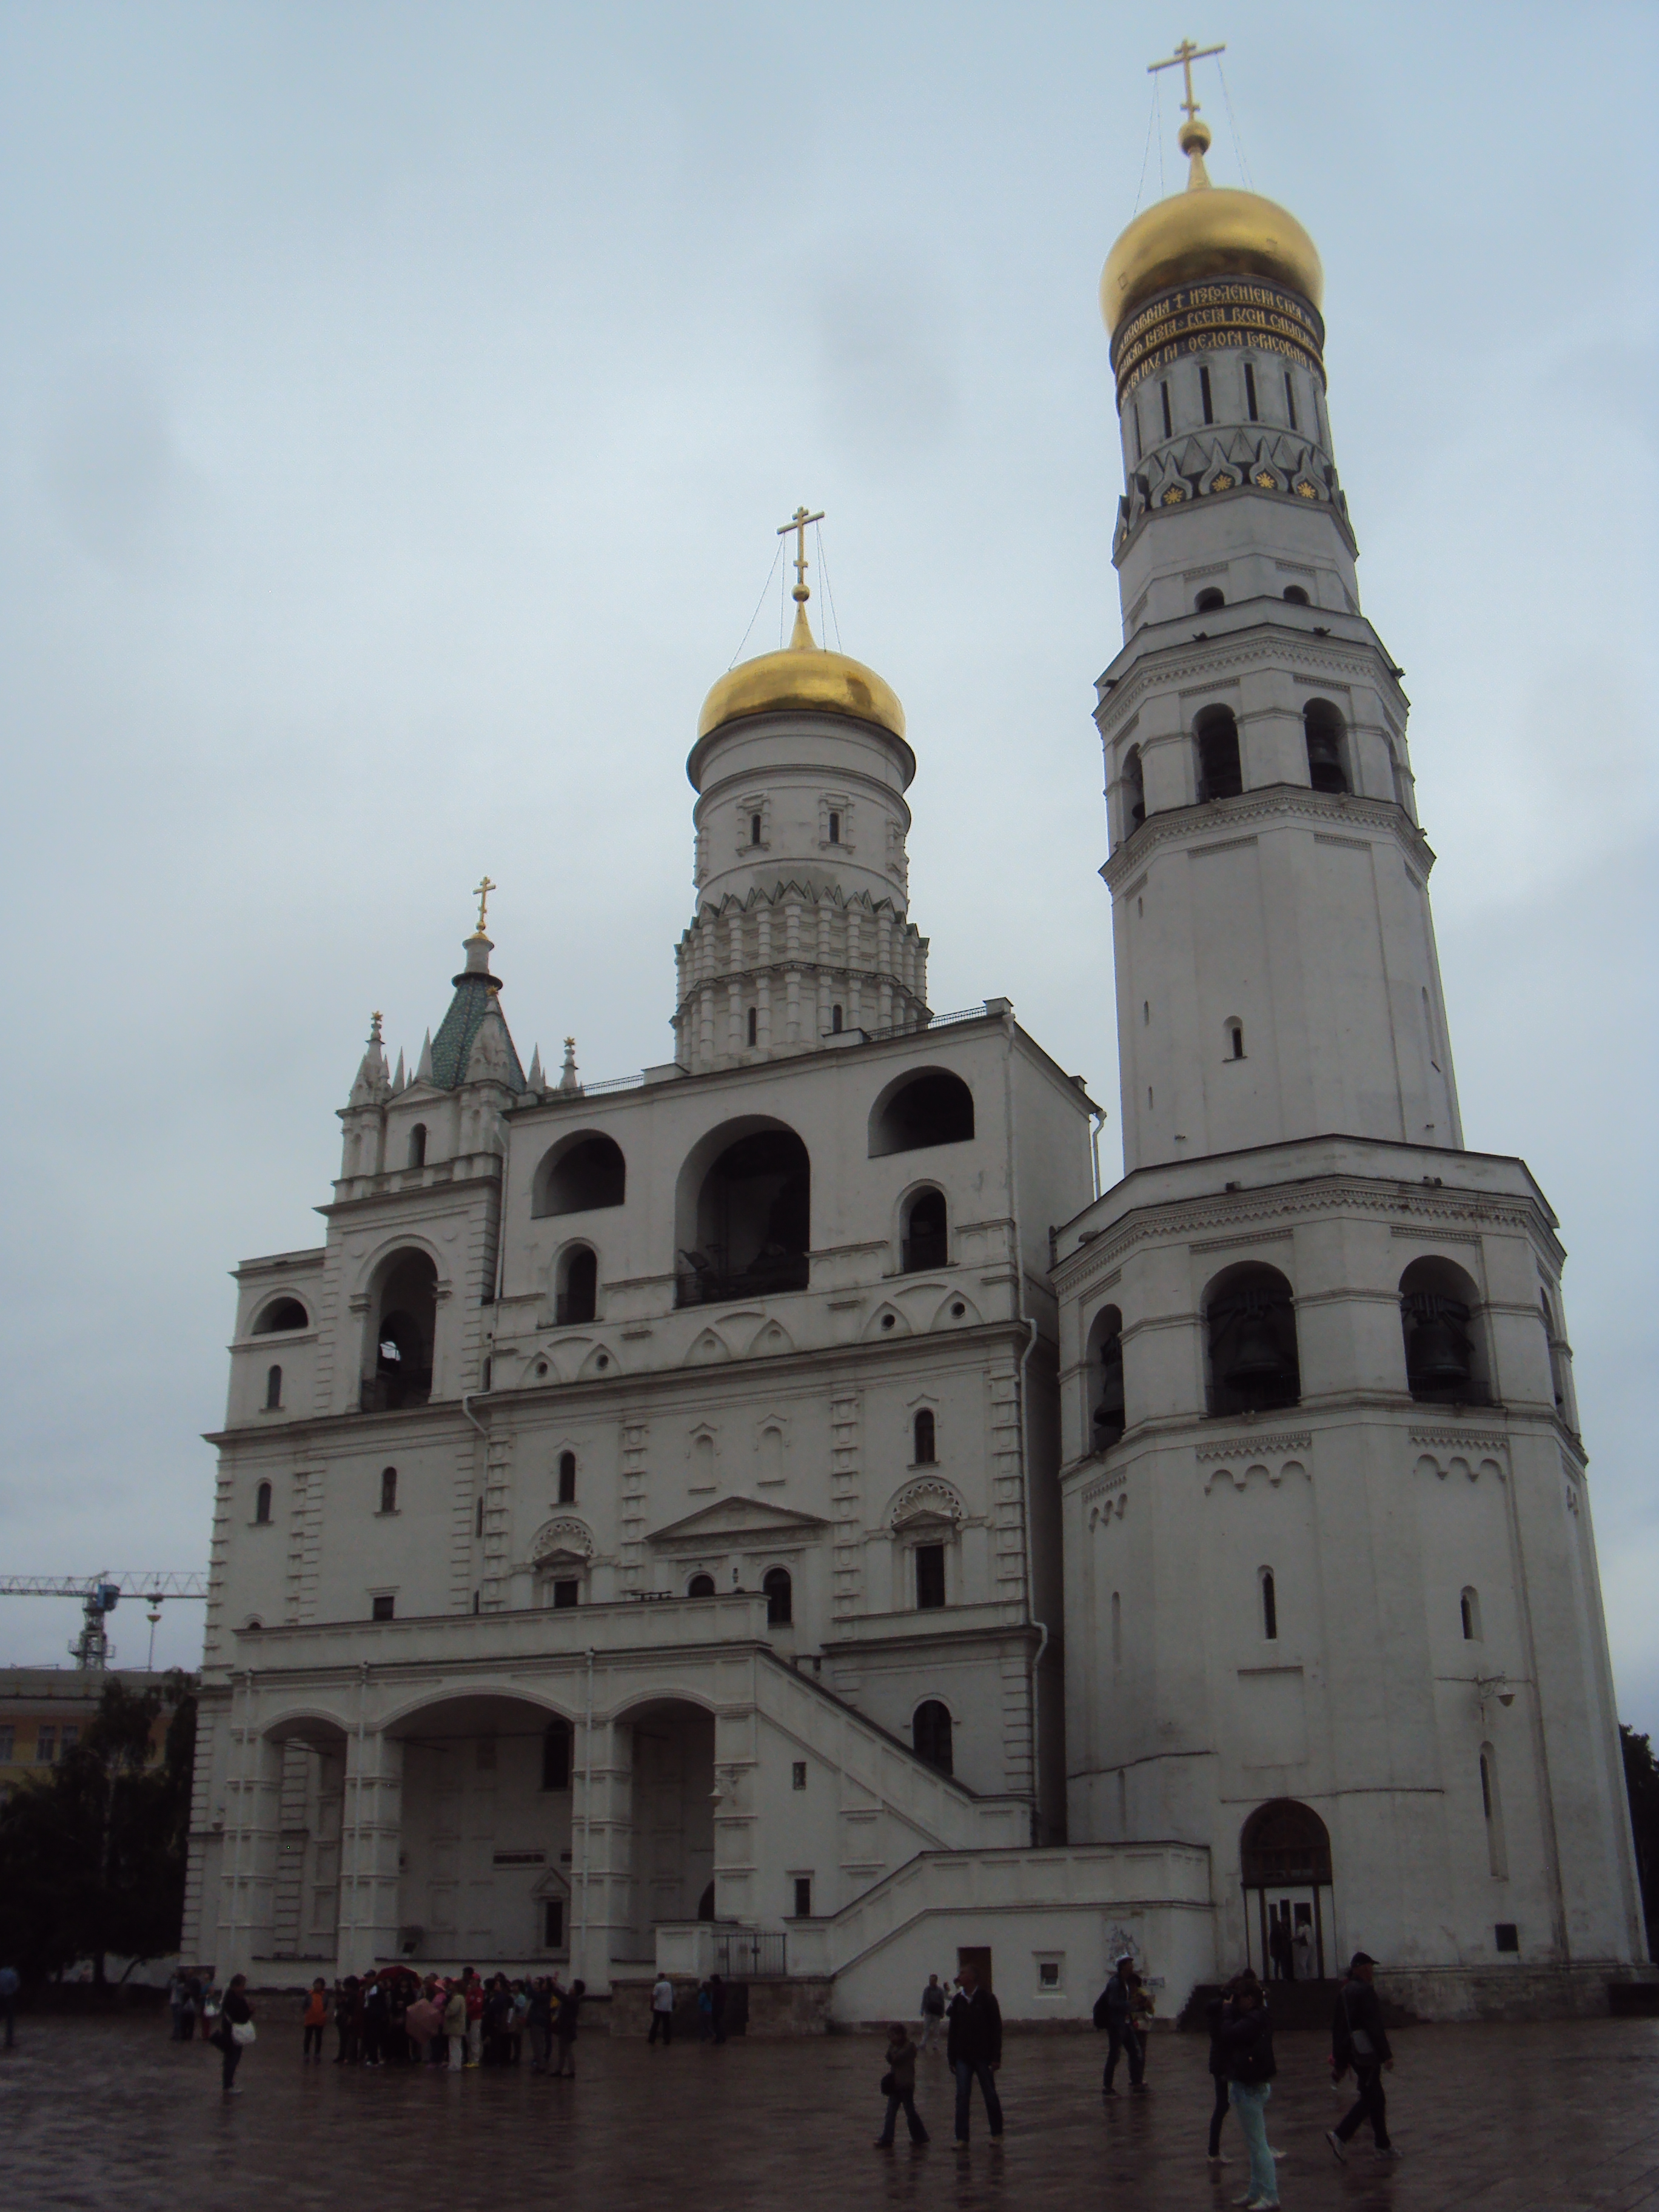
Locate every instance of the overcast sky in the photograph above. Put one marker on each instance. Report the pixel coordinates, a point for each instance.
(396, 404)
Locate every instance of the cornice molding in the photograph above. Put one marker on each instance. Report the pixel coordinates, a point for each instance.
(1177, 664)
(1200, 825)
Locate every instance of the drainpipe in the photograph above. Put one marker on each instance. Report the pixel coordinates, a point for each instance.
(1024, 1457)
(587, 1805)
(1099, 1122)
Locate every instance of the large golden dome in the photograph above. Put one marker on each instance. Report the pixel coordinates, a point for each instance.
(1203, 232)
(804, 675)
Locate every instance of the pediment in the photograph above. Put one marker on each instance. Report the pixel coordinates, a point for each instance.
(737, 1520)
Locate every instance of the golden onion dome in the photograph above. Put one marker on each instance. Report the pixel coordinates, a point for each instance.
(1204, 232)
(806, 676)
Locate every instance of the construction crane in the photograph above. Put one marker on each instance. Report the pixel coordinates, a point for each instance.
(98, 1596)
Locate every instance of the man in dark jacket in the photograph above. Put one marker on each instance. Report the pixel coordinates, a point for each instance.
(1247, 2051)
(974, 2048)
(1360, 2039)
(1114, 2011)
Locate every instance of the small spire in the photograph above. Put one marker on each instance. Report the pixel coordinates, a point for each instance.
(423, 1070)
(373, 1084)
(801, 638)
(538, 1080)
(399, 1078)
(567, 1078)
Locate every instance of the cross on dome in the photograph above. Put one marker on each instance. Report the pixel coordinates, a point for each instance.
(481, 892)
(1186, 54)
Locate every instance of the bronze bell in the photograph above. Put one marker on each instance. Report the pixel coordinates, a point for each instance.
(1437, 1356)
(1256, 1358)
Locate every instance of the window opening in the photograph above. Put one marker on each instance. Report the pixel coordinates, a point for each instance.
(1135, 409)
(556, 1756)
(925, 1232)
(701, 1586)
(1117, 1629)
(388, 1490)
(273, 1389)
(1169, 427)
(1269, 1607)
(923, 1426)
(1436, 1312)
(1235, 1040)
(1220, 774)
(1249, 391)
(567, 1478)
(835, 1021)
(578, 1297)
(384, 1609)
(402, 1372)
(1296, 596)
(928, 1109)
(929, 1732)
(1468, 1608)
(834, 827)
(803, 1897)
(780, 1595)
(1290, 398)
(567, 1593)
(1251, 1325)
(477, 1516)
(798, 1774)
(262, 1503)
(930, 1577)
(1108, 1363)
(754, 1025)
(753, 1223)
(417, 1146)
(488, 1370)
(1134, 788)
(1210, 601)
(1491, 1809)
(1204, 387)
(553, 1924)
(592, 1173)
(1323, 728)
(754, 829)
(281, 1314)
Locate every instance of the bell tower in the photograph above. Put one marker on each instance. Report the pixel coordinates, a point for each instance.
(1332, 1605)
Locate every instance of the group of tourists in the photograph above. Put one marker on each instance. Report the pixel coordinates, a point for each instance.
(394, 2017)
(708, 2009)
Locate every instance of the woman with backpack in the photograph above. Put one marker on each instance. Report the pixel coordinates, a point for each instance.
(1247, 2045)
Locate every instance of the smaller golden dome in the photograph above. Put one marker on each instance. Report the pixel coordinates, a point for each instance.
(804, 675)
(1204, 232)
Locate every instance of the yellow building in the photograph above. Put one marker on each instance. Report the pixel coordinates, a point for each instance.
(45, 1711)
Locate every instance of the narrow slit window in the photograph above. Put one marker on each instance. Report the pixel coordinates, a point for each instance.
(803, 1897)
(1136, 408)
(1249, 392)
(835, 1021)
(273, 1389)
(834, 827)
(417, 1146)
(1235, 1040)
(754, 829)
(567, 1478)
(930, 1577)
(1204, 388)
(388, 1490)
(1269, 1607)
(1169, 427)
(262, 1503)
(1117, 1629)
(478, 1517)
(754, 1026)
(1469, 1606)
(924, 1438)
(1290, 399)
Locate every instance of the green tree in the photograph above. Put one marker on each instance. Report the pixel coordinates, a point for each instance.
(1642, 1781)
(92, 1856)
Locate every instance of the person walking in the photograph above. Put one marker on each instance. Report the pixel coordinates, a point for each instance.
(717, 1996)
(1115, 2011)
(662, 2011)
(565, 2025)
(179, 2006)
(10, 1985)
(235, 2032)
(933, 2012)
(899, 2087)
(1278, 1950)
(315, 2021)
(705, 2013)
(539, 2021)
(1247, 2043)
(974, 2048)
(454, 2018)
(1360, 2039)
(1302, 1946)
(1219, 2012)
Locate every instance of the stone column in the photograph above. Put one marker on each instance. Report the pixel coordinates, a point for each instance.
(602, 1850)
(371, 1836)
(247, 1866)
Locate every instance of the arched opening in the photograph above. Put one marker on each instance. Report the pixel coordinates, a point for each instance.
(1209, 600)
(406, 1319)
(1296, 596)
(262, 1505)
(1327, 764)
(1134, 791)
(1556, 1348)
(1220, 774)
(1445, 1360)
(751, 1223)
(281, 1314)
(1284, 1859)
(417, 1146)
(925, 1237)
(1105, 1378)
(1235, 1034)
(577, 1292)
(580, 1175)
(780, 1595)
(567, 1478)
(388, 1490)
(556, 1756)
(922, 1438)
(920, 1110)
(929, 1732)
(273, 1389)
(668, 1840)
(701, 1586)
(1249, 1320)
(1468, 1609)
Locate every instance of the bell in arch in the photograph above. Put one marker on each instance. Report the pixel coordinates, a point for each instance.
(1438, 1354)
(1257, 1360)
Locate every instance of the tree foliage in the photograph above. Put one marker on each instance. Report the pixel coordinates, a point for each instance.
(1642, 1781)
(92, 1856)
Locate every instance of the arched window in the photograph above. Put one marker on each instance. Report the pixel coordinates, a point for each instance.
(556, 1756)
(579, 1176)
(577, 1299)
(929, 1731)
(1250, 1323)
(744, 1222)
(1134, 791)
(281, 1314)
(701, 1586)
(1235, 1039)
(926, 1239)
(771, 1454)
(1323, 726)
(920, 1110)
(1219, 773)
(1468, 1608)
(417, 1146)
(1269, 1605)
(1445, 1360)
(262, 1503)
(401, 1371)
(922, 1438)
(273, 1389)
(388, 1490)
(1105, 1378)
(1208, 601)
(1497, 1857)
(779, 1594)
(567, 1478)
(754, 1025)
(1296, 596)
(835, 1021)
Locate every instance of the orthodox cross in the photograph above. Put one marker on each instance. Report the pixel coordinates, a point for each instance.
(798, 523)
(481, 892)
(1186, 54)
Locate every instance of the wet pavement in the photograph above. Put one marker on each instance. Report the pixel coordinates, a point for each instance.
(111, 2116)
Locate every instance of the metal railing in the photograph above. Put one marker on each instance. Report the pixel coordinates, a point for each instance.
(708, 1286)
(928, 1248)
(748, 1955)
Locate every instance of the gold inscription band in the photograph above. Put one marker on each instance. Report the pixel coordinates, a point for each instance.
(1213, 317)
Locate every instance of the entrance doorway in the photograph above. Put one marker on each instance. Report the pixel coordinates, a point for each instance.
(978, 1956)
(1284, 1862)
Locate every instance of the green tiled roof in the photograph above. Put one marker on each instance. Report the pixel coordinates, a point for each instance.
(452, 1046)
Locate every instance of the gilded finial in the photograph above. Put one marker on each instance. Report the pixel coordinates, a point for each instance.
(1193, 137)
(481, 892)
(374, 1027)
(801, 639)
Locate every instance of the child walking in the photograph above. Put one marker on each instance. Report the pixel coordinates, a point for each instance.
(899, 2085)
